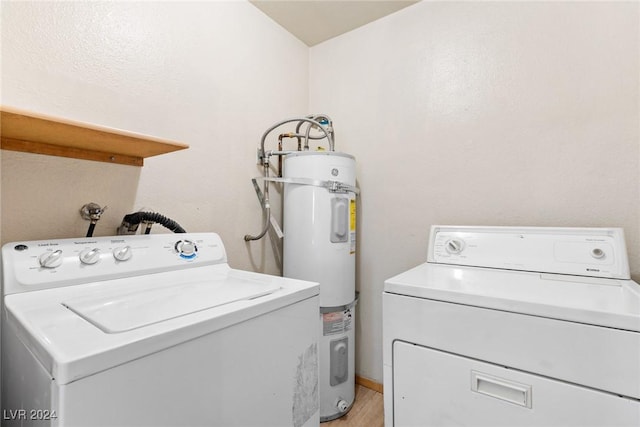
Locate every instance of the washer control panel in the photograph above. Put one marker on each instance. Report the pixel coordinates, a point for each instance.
(63, 262)
(596, 252)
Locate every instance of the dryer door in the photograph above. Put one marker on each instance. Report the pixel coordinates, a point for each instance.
(435, 388)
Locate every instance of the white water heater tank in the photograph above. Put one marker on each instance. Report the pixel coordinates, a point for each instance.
(319, 245)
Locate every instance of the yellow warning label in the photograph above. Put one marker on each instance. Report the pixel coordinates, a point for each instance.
(352, 213)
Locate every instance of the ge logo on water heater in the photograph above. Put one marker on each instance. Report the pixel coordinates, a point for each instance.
(334, 172)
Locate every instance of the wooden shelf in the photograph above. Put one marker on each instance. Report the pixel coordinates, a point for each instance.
(37, 133)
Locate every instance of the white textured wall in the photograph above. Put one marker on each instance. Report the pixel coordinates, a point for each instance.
(458, 113)
(211, 74)
(487, 113)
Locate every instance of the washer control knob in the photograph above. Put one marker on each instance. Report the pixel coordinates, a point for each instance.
(51, 259)
(454, 246)
(122, 253)
(90, 256)
(597, 253)
(186, 249)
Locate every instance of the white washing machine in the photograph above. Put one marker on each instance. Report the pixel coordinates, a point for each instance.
(514, 327)
(153, 330)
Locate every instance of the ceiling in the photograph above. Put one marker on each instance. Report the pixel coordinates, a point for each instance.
(314, 21)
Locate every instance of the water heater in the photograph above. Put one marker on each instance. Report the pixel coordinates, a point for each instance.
(319, 222)
(319, 242)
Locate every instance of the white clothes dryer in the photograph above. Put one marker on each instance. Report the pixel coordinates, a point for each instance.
(506, 326)
(153, 330)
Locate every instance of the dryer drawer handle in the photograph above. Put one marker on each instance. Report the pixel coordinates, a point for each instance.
(500, 388)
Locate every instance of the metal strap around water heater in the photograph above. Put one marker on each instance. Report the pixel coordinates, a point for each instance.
(341, 307)
(331, 186)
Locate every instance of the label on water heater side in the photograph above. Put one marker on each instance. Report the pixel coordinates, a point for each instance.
(352, 243)
(337, 322)
(352, 226)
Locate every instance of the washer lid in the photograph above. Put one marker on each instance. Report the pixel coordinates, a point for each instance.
(138, 308)
(611, 303)
(77, 331)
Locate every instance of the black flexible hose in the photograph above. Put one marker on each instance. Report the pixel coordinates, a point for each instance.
(137, 217)
(92, 225)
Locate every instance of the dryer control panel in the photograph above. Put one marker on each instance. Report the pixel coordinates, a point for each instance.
(595, 252)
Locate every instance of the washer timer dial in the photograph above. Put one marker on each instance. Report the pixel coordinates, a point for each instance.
(186, 249)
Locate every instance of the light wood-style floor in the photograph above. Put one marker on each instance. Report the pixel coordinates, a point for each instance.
(367, 411)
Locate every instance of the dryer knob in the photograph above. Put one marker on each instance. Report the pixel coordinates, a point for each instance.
(90, 256)
(454, 246)
(51, 259)
(122, 253)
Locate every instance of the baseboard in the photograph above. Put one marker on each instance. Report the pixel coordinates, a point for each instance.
(370, 384)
